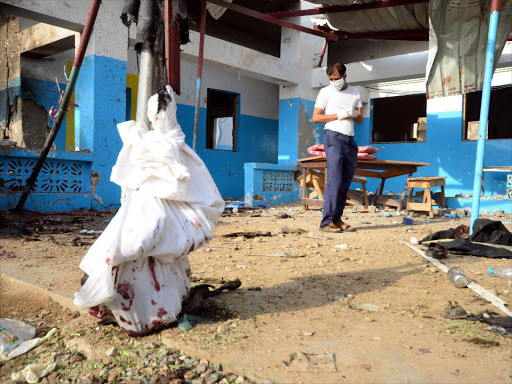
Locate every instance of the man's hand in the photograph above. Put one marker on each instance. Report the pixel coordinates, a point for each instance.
(351, 111)
(343, 115)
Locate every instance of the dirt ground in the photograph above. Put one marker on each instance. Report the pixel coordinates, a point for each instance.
(315, 303)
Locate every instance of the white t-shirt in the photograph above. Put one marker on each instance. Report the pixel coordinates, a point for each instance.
(333, 101)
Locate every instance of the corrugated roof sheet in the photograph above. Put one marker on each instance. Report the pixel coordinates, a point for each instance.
(403, 17)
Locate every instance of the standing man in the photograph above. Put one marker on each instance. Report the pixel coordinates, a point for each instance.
(338, 106)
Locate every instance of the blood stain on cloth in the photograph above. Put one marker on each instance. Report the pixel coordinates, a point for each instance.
(161, 313)
(151, 263)
(127, 293)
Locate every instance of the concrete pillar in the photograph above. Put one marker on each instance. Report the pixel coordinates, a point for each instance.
(10, 80)
(296, 133)
(101, 97)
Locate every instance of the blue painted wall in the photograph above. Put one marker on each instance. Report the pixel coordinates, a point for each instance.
(101, 96)
(256, 141)
(46, 95)
(446, 152)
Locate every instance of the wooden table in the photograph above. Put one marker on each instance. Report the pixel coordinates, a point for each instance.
(379, 169)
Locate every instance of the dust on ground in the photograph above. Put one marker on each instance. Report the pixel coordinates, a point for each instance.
(373, 306)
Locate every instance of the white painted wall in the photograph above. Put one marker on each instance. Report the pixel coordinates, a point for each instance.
(257, 98)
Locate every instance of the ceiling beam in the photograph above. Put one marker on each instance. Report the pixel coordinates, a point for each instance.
(273, 20)
(345, 8)
(416, 34)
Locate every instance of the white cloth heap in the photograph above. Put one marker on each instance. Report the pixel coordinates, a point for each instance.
(138, 268)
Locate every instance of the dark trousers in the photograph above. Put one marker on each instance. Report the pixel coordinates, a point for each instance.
(341, 153)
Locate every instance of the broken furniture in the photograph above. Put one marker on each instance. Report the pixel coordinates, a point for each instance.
(315, 182)
(426, 204)
(379, 169)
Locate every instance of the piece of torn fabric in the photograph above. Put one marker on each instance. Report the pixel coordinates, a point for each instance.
(216, 11)
(138, 268)
(452, 233)
(462, 246)
(458, 43)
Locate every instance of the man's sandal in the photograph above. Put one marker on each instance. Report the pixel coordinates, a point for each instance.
(344, 227)
(331, 228)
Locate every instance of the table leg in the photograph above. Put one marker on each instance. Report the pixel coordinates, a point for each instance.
(379, 192)
(443, 197)
(402, 198)
(304, 188)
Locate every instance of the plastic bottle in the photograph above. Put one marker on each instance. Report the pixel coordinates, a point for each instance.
(458, 277)
(504, 273)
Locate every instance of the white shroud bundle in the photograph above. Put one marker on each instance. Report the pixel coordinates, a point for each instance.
(138, 268)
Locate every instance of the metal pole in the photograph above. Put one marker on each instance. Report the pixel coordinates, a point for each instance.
(484, 111)
(324, 48)
(199, 73)
(145, 84)
(345, 8)
(82, 47)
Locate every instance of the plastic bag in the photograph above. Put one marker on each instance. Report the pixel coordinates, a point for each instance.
(13, 333)
(138, 268)
(33, 372)
(25, 346)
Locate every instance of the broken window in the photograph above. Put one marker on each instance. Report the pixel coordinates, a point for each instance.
(221, 120)
(399, 119)
(498, 125)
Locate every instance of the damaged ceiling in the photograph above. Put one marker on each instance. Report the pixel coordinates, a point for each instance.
(457, 35)
(241, 29)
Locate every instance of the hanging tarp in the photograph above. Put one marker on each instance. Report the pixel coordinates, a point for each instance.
(458, 42)
(403, 17)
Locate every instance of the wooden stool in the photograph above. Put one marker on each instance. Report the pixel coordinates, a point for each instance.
(426, 183)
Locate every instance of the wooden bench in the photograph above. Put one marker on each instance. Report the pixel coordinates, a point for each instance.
(315, 182)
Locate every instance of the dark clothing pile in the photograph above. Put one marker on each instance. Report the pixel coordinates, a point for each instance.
(484, 231)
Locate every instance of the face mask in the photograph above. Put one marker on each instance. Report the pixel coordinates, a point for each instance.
(338, 84)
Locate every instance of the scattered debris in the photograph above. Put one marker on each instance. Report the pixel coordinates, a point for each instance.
(248, 235)
(185, 324)
(484, 343)
(455, 311)
(26, 346)
(276, 255)
(493, 299)
(33, 372)
(407, 221)
(414, 241)
(283, 216)
(309, 362)
(365, 307)
(6, 255)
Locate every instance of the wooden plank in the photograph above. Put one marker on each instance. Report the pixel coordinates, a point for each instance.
(312, 202)
(361, 172)
(478, 289)
(419, 207)
(391, 174)
(390, 202)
